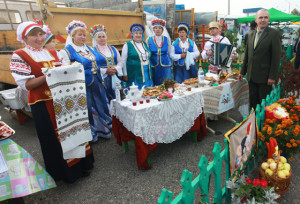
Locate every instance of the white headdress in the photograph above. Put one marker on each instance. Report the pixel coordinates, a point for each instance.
(24, 28)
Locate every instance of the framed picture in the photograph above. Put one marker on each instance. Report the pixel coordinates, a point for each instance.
(242, 144)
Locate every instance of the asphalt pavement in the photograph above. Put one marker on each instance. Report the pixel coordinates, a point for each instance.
(116, 178)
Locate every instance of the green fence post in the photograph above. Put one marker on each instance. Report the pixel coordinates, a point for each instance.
(227, 170)
(217, 169)
(268, 101)
(272, 98)
(188, 191)
(262, 113)
(165, 197)
(257, 115)
(204, 178)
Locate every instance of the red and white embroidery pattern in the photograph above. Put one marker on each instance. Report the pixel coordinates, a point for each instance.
(19, 66)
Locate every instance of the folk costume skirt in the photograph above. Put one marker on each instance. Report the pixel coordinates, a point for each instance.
(58, 168)
(99, 117)
(148, 81)
(160, 74)
(181, 74)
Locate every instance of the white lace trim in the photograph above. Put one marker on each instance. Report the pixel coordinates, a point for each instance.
(161, 122)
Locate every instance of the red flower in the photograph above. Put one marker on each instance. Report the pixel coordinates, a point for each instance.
(95, 27)
(256, 182)
(248, 180)
(263, 182)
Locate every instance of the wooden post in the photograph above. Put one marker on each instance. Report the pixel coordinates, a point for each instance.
(204, 178)
(227, 170)
(165, 197)
(10, 22)
(188, 191)
(217, 169)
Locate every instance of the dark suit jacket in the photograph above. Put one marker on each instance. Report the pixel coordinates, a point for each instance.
(263, 62)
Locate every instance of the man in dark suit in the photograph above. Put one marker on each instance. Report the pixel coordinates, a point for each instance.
(297, 51)
(262, 59)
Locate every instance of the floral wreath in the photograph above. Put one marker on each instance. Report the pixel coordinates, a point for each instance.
(158, 22)
(97, 28)
(48, 33)
(75, 24)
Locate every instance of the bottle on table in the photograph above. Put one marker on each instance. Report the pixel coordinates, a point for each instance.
(200, 76)
(117, 91)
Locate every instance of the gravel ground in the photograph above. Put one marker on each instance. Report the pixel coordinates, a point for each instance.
(116, 178)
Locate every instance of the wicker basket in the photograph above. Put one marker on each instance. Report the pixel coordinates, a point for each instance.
(280, 185)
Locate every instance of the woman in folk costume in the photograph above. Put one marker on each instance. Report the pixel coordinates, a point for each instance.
(50, 42)
(160, 47)
(135, 59)
(184, 49)
(110, 60)
(76, 50)
(26, 65)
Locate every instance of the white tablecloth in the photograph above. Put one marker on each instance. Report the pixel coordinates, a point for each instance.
(160, 121)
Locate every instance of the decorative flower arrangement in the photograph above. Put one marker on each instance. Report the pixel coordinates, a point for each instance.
(257, 191)
(166, 95)
(286, 131)
(168, 82)
(158, 21)
(75, 24)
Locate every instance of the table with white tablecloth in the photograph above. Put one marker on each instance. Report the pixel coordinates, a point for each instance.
(158, 122)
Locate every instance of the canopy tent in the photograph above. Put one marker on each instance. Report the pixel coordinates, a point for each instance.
(275, 16)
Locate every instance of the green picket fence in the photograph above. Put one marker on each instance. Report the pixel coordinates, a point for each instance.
(202, 181)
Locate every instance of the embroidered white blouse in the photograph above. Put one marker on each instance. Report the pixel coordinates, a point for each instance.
(185, 45)
(125, 55)
(82, 50)
(106, 51)
(21, 70)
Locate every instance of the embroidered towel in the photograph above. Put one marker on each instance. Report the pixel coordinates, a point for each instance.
(67, 85)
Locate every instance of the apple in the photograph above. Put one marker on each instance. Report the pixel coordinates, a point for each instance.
(273, 166)
(287, 166)
(286, 172)
(269, 172)
(281, 174)
(283, 159)
(264, 165)
(270, 161)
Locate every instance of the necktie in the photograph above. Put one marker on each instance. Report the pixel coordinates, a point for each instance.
(257, 36)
